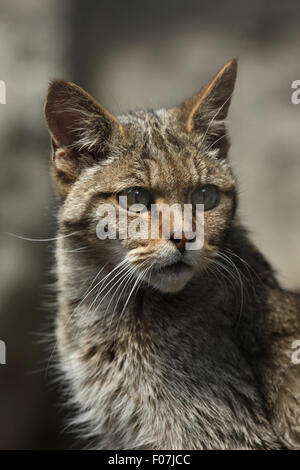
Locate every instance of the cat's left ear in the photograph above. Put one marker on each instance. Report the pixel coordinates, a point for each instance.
(207, 111)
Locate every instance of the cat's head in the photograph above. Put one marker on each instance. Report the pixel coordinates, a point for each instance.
(170, 156)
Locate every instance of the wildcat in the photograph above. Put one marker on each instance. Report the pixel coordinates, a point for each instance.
(162, 347)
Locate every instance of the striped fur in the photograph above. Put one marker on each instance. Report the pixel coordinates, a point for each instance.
(198, 359)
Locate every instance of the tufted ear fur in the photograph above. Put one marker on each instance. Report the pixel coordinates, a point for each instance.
(80, 130)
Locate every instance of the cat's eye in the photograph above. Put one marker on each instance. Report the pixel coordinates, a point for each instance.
(135, 196)
(208, 195)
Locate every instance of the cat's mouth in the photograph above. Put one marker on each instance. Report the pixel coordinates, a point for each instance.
(168, 272)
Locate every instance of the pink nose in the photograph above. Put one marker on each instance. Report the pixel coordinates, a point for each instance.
(179, 242)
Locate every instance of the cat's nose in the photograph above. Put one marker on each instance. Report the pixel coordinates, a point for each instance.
(179, 241)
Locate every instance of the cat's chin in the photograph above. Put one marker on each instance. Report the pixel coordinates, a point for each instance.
(169, 287)
(171, 280)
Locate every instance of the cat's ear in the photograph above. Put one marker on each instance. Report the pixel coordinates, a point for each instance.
(206, 112)
(80, 130)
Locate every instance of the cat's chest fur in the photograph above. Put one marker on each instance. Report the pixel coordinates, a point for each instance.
(164, 377)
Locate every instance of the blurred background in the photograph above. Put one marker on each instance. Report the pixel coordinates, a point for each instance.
(131, 54)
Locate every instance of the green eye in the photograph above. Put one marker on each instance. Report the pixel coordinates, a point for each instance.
(135, 196)
(208, 195)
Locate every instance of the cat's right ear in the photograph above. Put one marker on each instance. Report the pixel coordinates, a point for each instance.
(80, 130)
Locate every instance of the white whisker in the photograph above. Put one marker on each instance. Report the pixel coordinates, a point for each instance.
(40, 239)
